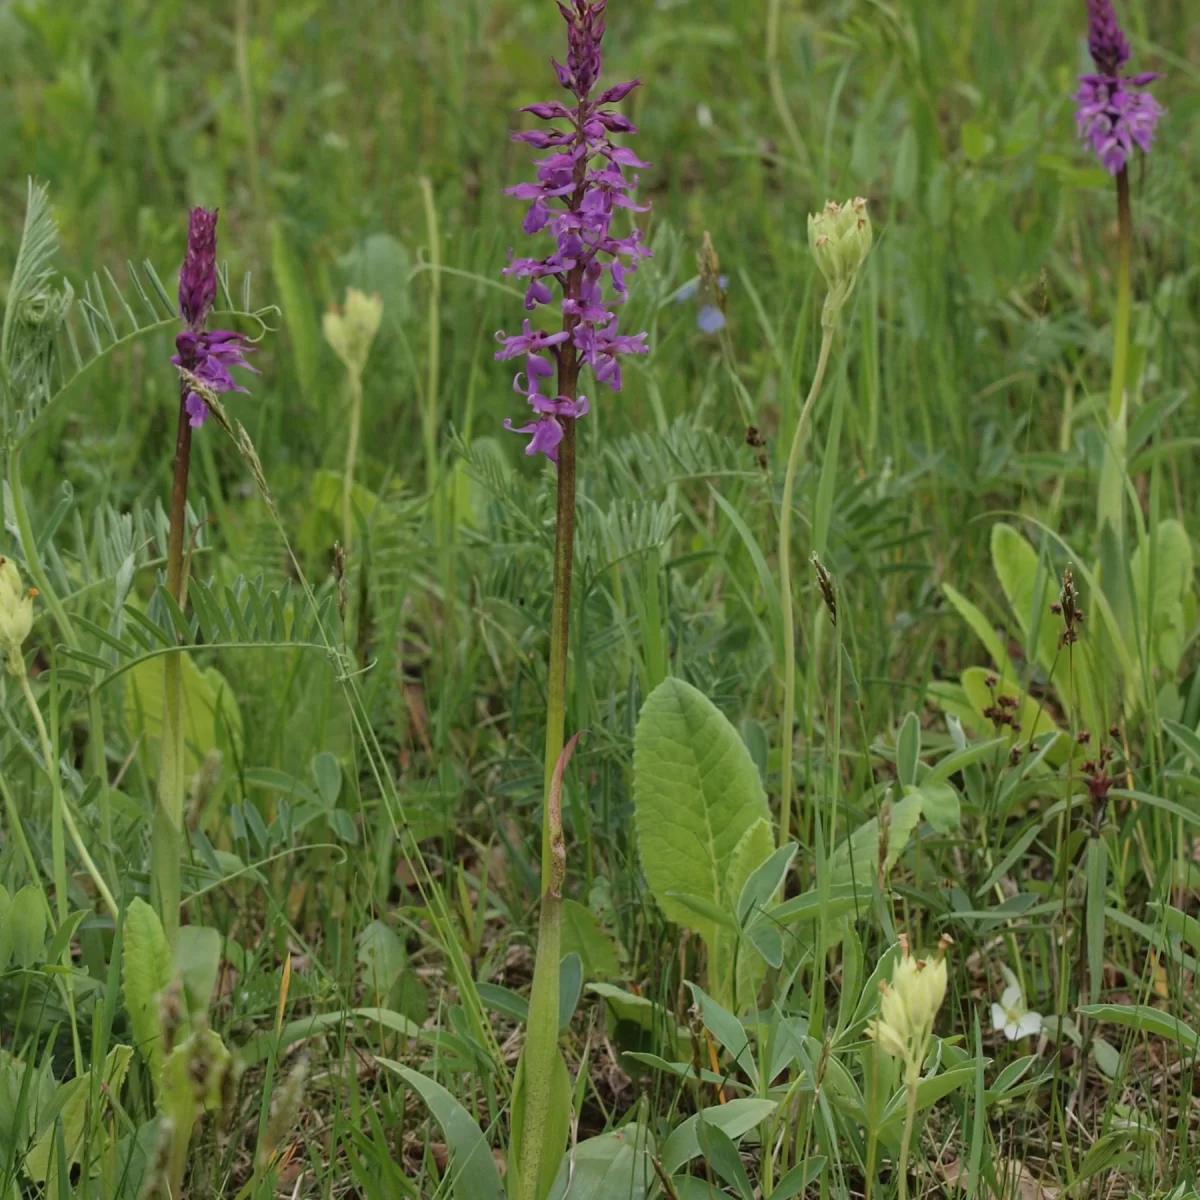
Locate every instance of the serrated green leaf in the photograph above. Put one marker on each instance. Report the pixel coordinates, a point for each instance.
(146, 971)
(696, 793)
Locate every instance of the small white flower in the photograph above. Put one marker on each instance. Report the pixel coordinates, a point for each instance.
(1011, 1015)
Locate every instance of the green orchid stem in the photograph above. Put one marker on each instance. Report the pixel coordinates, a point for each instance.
(541, 1047)
(356, 400)
(785, 579)
(560, 620)
(167, 842)
(1112, 481)
(60, 817)
(911, 1079)
(541, 1042)
(430, 416)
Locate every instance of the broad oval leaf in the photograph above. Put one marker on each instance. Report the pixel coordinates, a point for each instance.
(696, 792)
(147, 970)
(27, 926)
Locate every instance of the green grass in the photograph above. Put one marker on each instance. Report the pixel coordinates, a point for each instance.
(367, 808)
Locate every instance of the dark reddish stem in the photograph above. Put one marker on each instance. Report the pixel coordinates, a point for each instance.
(183, 456)
(564, 548)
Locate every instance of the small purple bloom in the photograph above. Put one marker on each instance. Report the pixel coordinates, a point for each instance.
(1115, 113)
(528, 341)
(198, 275)
(710, 319)
(583, 181)
(1106, 39)
(208, 355)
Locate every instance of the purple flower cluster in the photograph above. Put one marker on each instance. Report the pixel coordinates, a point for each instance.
(581, 184)
(206, 354)
(1114, 112)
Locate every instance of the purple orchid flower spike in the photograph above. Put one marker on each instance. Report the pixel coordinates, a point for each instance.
(582, 182)
(206, 354)
(1115, 113)
(198, 275)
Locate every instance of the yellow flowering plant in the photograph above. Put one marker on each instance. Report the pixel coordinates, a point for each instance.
(903, 1029)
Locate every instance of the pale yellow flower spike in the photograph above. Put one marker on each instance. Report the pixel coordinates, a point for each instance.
(16, 615)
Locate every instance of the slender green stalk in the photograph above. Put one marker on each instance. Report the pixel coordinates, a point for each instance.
(541, 1045)
(432, 387)
(60, 817)
(560, 618)
(167, 842)
(541, 1042)
(1110, 508)
(356, 399)
(912, 1077)
(785, 576)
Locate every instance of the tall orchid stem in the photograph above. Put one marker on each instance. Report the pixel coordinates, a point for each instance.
(167, 848)
(1112, 482)
(542, 1060)
(560, 622)
(785, 574)
(912, 1077)
(356, 401)
(541, 1037)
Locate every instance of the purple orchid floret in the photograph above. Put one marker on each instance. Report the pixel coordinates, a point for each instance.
(198, 275)
(1115, 113)
(581, 184)
(206, 354)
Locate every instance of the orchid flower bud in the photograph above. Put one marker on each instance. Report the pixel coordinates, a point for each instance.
(350, 331)
(909, 1006)
(840, 238)
(16, 615)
